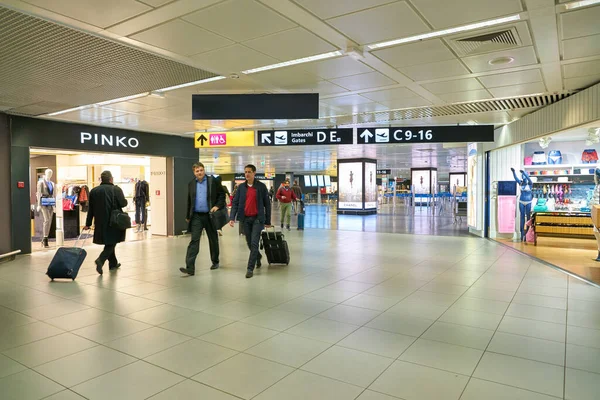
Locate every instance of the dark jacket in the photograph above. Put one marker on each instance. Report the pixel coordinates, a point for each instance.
(215, 193)
(262, 200)
(101, 204)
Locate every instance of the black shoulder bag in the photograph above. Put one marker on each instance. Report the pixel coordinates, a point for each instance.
(119, 219)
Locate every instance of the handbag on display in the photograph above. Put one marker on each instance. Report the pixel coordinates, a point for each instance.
(67, 204)
(119, 219)
(48, 201)
(219, 218)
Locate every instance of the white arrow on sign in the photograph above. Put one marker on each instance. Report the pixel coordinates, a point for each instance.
(265, 138)
(367, 134)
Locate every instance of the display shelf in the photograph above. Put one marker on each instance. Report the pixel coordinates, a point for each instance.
(560, 166)
(564, 223)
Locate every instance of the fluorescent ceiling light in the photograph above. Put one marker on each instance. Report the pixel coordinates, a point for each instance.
(68, 110)
(120, 99)
(214, 78)
(579, 4)
(445, 32)
(294, 62)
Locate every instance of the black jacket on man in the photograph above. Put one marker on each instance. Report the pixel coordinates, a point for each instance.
(262, 199)
(101, 204)
(215, 193)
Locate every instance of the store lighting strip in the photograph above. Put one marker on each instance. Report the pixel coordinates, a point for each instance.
(157, 93)
(294, 62)
(445, 32)
(579, 4)
(213, 79)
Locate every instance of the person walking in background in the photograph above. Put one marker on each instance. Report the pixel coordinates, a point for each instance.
(103, 200)
(205, 195)
(252, 207)
(298, 192)
(285, 196)
(271, 193)
(227, 204)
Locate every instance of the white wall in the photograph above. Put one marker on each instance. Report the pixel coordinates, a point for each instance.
(158, 195)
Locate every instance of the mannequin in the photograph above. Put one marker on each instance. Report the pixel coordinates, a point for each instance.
(46, 202)
(596, 201)
(141, 198)
(525, 199)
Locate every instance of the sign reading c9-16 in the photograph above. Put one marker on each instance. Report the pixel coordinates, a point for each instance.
(429, 134)
(305, 137)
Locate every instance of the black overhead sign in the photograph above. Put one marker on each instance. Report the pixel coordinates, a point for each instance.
(426, 134)
(384, 172)
(299, 137)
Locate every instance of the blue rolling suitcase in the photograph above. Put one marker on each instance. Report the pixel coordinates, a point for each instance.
(67, 261)
(301, 222)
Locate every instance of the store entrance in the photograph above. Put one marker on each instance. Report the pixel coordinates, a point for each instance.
(60, 184)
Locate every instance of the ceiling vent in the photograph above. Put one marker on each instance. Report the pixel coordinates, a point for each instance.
(487, 43)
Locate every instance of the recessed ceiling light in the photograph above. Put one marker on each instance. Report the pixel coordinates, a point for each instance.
(201, 81)
(501, 61)
(294, 62)
(579, 4)
(445, 32)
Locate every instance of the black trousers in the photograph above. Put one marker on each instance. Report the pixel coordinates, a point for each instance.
(109, 254)
(252, 230)
(200, 222)
(140, 211)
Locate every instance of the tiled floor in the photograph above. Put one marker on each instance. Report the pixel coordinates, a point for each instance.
(356, 315)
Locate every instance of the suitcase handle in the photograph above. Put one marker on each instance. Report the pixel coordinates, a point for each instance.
(79, 237)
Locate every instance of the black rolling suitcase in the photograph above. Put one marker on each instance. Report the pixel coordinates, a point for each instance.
(275, 247)
(66, 262)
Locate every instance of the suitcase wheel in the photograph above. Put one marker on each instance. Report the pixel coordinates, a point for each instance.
(72, 279)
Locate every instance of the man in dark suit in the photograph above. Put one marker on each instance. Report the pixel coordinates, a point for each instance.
(252, 207)
(205, 195)
(103, 200)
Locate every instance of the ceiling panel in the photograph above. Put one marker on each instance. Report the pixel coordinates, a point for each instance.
(519, 90)
(386, 22)
(581, 82)
(460, 85)
(155, 3)
(234, 58)
(581, 69)
(471, 95)
(291, 44)
(581, 47)
(461, 12)
(285, 76)
(583, 22)
(325, 9)
(324, 88)
(406, 103)
(238, 20)
(442, 69)
(350, 100)
(389, 94)
(129, 107)
(425, 52)
(512, 78)
(522, 56)
(179, 112)
(337, 68)
(182, 38)
(364, 81)
(359, 108)
(99, 13)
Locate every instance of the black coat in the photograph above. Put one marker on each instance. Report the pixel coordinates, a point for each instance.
(215, 194)
(101, 205)
(263, 203)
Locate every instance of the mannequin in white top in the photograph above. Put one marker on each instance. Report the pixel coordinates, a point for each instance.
(46, 202)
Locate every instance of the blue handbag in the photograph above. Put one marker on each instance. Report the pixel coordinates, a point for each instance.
(541, 205)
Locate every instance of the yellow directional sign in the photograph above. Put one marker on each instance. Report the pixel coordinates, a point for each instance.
(203, 140)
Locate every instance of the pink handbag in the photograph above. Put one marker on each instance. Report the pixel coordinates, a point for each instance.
(528, 160)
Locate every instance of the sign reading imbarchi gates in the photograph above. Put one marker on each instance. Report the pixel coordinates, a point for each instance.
(299, 137)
